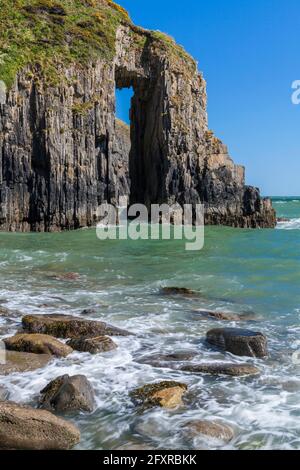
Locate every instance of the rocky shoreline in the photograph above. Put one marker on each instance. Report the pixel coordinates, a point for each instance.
(44, 337)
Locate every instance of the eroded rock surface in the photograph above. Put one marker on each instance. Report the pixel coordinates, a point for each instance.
(24, 428)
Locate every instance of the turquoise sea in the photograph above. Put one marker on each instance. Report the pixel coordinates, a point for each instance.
(252, 272)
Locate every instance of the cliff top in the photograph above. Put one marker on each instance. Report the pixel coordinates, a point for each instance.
(51, 33)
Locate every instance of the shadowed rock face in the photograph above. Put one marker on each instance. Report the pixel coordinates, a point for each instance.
(62, 152)
(67, 393)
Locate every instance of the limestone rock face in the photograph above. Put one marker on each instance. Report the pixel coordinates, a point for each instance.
(24, 428)
(37, 344)
(239, 342)
(68, 394)
(67, 326)
(63, 153)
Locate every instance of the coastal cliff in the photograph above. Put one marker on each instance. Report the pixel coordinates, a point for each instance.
(62, 150)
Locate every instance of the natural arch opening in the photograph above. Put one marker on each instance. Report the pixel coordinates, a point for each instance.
(146, 163)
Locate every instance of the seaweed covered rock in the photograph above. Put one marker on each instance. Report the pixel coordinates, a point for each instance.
(67, 326)
(180, 291)
(163, 394)
(95, 345)
(37, 344)
(67, 393)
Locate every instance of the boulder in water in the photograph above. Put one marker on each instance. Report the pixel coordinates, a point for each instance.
(233, 370)
(25, 428)
(211, 429)
(163, 394)
(37, 344)
(23, 362)
(67, 326)
(99, 344)
(67, 393)
(239, 342)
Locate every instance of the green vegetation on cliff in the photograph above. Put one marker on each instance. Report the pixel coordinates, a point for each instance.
(50, 33)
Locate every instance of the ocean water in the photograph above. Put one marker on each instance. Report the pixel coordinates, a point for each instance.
(251, 272)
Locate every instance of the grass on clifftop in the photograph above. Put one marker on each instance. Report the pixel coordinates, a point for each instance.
(51, 33)
(56, 31)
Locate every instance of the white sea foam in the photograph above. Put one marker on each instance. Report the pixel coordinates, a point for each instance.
(293, 224)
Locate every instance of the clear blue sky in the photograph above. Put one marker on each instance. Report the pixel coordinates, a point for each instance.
(249, 52)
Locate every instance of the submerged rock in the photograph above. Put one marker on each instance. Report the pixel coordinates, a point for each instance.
(180, 291)
(8, 313)
(95, 345)
(38, 344)
(239, 342)
(172, 357)
(67, 326)
(4, 393)
(234, 370)
(25, 428)
(66, 277)
(23, 362)
(67, 393)
(210, 314)
(163, 394)
(212, 429)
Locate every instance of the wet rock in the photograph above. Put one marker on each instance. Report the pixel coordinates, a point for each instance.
(88, 311)
(180, 291)
(27, 428)
(96, 345)
(163, 394)
(37, 344)
(215, 315)
(239, 342)
(8, 313)
(67, 393)
(282, 219)
(4, 393)
(67, 326)
(23, 362)
(233, 370)
(212, 429)
(172, 357)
